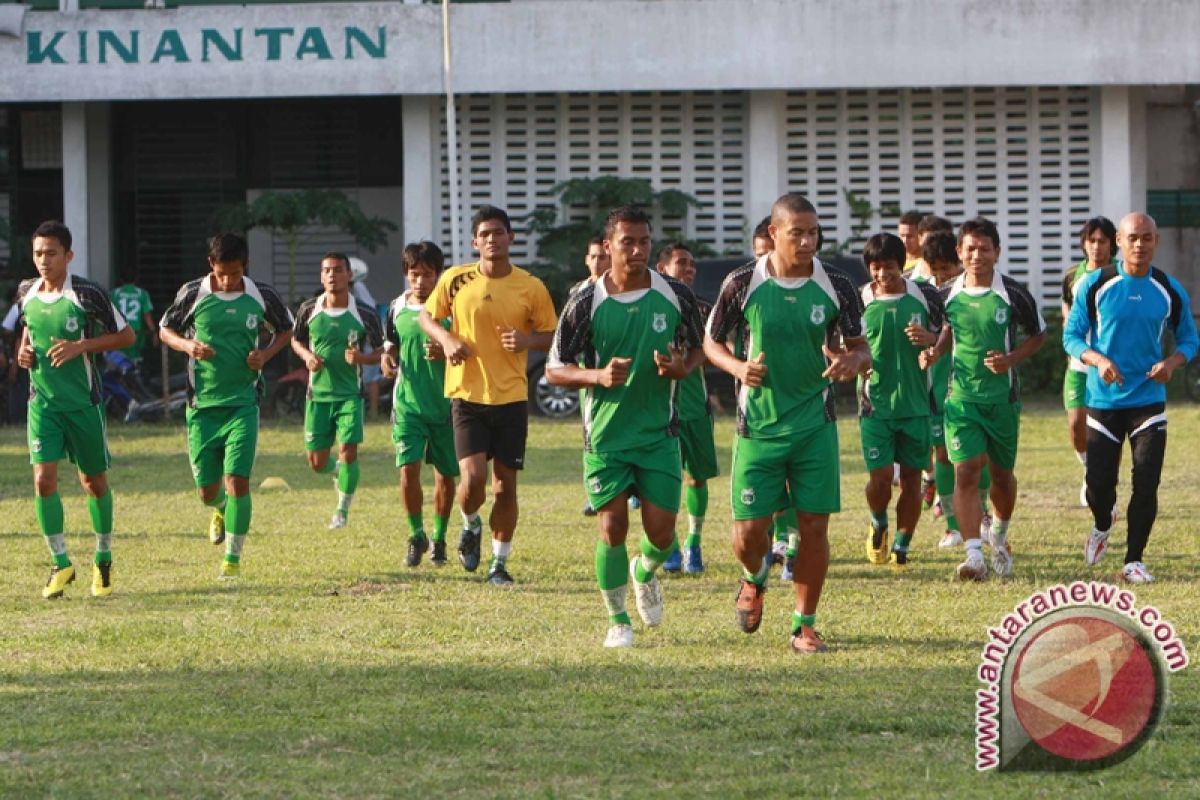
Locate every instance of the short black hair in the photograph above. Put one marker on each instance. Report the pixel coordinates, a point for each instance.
(940, 248)
(792, 203)
(668, 250)
(228, 247)
(884, 247)
(486, 213)
(345, 259)
(1102, 224)
(424, 252)
(632, 214)
(53, 229)
(911, 218)
(597, 239)
(761, 229)
(980, 226)
(932, 223)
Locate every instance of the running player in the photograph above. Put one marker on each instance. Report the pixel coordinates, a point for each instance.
(624, 337)
(696, 443)
(900, 318)
(982, 414)
(134, 304)
(597, 262)
(420, 410)
(1117, 331)
(497, 312)
(331, 331)
(1098, 238)
(216, 321)
(63, 321)
(781, 313)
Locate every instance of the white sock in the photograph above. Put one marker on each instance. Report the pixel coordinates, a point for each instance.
(344, 501)
(501, 549)
(974, 544)
(695, 525)
(471, 521)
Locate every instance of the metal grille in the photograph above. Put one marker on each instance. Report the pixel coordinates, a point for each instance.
(1019, 156)
(513, 149)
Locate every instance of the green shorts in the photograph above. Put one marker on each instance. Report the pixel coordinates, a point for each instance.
(937, 430)
(1074, 389)
(323, 421)
(655, 470)
(80, 435)
(222, 441)
(698, 448)
(416, 439)
(895, 441)
(973, 429)
(763, 470)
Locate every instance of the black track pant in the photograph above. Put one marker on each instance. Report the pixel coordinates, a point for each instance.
(1146, 429)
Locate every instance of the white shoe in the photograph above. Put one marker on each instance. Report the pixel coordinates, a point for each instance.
(648, 596)
(985, 528)
(1094, 547)
(779, 552)
(1083, 494)
(1136, 572)
(785, 574)
(1002, 560)
(619, 636)
(950, 539)
(338, 520)
(974, 568)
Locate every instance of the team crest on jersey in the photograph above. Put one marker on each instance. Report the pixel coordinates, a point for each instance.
(659, 323)
(1001, 316)
(817, 315)
(72, 325)
(594, 485)
(748, 497)
(252, 321)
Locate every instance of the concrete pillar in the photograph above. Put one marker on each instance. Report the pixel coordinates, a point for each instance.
(765, 170)
(100, 195)
(75, 184)
(422, 157)
(1123, 166)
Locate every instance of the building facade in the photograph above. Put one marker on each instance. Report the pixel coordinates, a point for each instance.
(136, 125)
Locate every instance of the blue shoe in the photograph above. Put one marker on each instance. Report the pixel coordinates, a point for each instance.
(693, 564)
(674, 561)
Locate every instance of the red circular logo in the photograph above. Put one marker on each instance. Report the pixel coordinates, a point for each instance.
(1084, 688)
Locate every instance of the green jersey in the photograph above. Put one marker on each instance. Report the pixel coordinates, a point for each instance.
(692, 395)
(82, 309)
(897, 387)
(787, 320)
(229, 323)
(420, 389)
(134, 303)
(983, 320)
(597, 327)
(328, 333)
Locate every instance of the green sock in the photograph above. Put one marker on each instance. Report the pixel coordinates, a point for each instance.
(49, 512)
(652, 558)
(781, 527)
(347, 481)
(696, 500)
(416, 524)
(331, 465)
(439, 527)
(800, 620)
(612, 573)
(944, 478)
(793, 542)
(760, 577)
(218, 502)
(237, 525)
(692, 539)
(903, 538)
(101, 511)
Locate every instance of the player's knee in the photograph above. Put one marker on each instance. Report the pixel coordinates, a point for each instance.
(348, 453)
(94, 485)
(237, 486)
(316, 460)
(45, 483)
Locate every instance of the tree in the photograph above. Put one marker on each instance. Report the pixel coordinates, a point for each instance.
(287, 213)
(863, 212)
(563, 245)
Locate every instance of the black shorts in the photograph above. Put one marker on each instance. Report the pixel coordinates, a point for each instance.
(499, 431)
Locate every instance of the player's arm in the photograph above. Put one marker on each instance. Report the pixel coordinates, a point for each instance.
(854, 356)
(725, 318)
(930, 355)
(456, 349)
(25, 354)
(301, 341)
(572, 352)
(279, 320)
(103, 315)
(151, 327)
(1029, 319)
(1187, 341)
(255, 359)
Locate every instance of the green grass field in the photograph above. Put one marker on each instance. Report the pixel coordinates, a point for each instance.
(331, 670)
